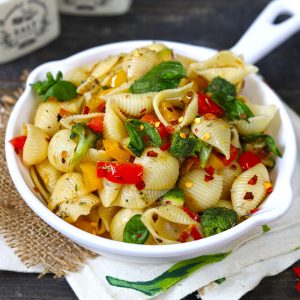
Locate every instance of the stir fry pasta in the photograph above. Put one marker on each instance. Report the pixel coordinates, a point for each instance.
(150, 147)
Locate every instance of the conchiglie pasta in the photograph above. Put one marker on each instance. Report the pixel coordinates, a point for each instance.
(224, 203)
(139, 62)
(106, 215)
(48, 174)
(119, 222)
(224, 64)
(72, 209)
(46, 117)
(68, 186)
(235, 139)
(61, 150)
(73, 106)
(69, 121)
(94, 155)
(201, 193)
(183, 95)
(246, 196)
(230, 173)
(160, 172)
(166, 228)
(214, 132)
(36, 146)
(257, 124)
(134, 105)
(109, 192)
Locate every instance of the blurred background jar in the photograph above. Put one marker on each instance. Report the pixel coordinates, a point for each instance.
(26, 25)
(94, 7)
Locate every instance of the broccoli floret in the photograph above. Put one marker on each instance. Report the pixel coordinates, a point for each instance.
(217, 219)
(87, 139)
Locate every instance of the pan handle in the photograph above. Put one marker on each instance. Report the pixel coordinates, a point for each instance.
(263, 35)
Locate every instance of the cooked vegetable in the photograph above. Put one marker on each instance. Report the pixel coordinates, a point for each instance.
(217, 219)
(233, 155)
(223, 93)
(266, 139)
(18, 143)
(120, 172)
(153, 120)
(248, 160)
(60, 89)
(138, 131)
(173, 197)
(91, 181)
(96, 124)
(265, 228)
(207, 105)
(135, 231)
(165, 54)
(113, 150)
(87, 139)
(164, 76)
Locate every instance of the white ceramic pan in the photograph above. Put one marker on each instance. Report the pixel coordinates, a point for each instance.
(261, 38)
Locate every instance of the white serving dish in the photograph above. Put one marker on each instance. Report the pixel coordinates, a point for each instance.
(26, 25)
(94, 7)
(274, 206)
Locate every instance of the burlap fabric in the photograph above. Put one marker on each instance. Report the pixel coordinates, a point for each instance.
(32, 239)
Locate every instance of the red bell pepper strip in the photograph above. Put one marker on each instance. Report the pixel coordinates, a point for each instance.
(192, 214)
(207, 105)
(248, 160)
(195, 234)
(96, 124)
(18, 143)
(120, 172)
(233, 155)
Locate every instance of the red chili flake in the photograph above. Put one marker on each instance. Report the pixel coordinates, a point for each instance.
(170, 129)
(155, 217)
(210, 116)
(183, 237)
(253, 180)
(297, 271)
(86, 110)
(269, 190)
(174, 123)
(243, 116)
(192, 214)
(152, 153)
(101, 107)
(138, 235)
(210, 170)
(249, 196)
(253, 211)
(140, 185)
(165, 146)
(208, 178)
(146, 139)
(36, 189)
(143, 111)
(195, 234)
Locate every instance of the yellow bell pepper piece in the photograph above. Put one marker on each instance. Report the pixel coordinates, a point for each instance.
(113, 149)
(215, 162)
(168, 112)
(118, 79)
(91, 181)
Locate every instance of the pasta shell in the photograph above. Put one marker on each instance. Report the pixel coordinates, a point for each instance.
(48, 174)
(229, 173)
(106, 215)
(36, 146)
(94, 155)
(131, 197)
(139, 62)
(69, 121)
(123, 88)
(201, 194)
(214, 132)
(170, 214)
(113, 126)
(160, 172)
(46, 117)
(109, 192)
(235, 139)
(61, 150)
(156, 47)
(241, 186)
(119, 222)
(224, 203)
(38, 185)
(263, 116)
(99, 71)
(223, 64)
(72, 209)
(175, 96)
(73, 106)
(134, 105)
(68, 186)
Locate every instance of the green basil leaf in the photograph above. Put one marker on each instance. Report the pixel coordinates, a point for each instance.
(183, 147)
(60, 89)
(166, 75)
(267, 139)
(136, 144)
(224, 94)
(135, 231)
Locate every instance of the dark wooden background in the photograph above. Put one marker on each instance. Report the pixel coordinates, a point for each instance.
(212, 23)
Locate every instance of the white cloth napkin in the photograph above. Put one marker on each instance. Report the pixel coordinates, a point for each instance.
(265, 255)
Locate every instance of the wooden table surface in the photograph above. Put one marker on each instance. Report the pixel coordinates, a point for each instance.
(217, 24)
